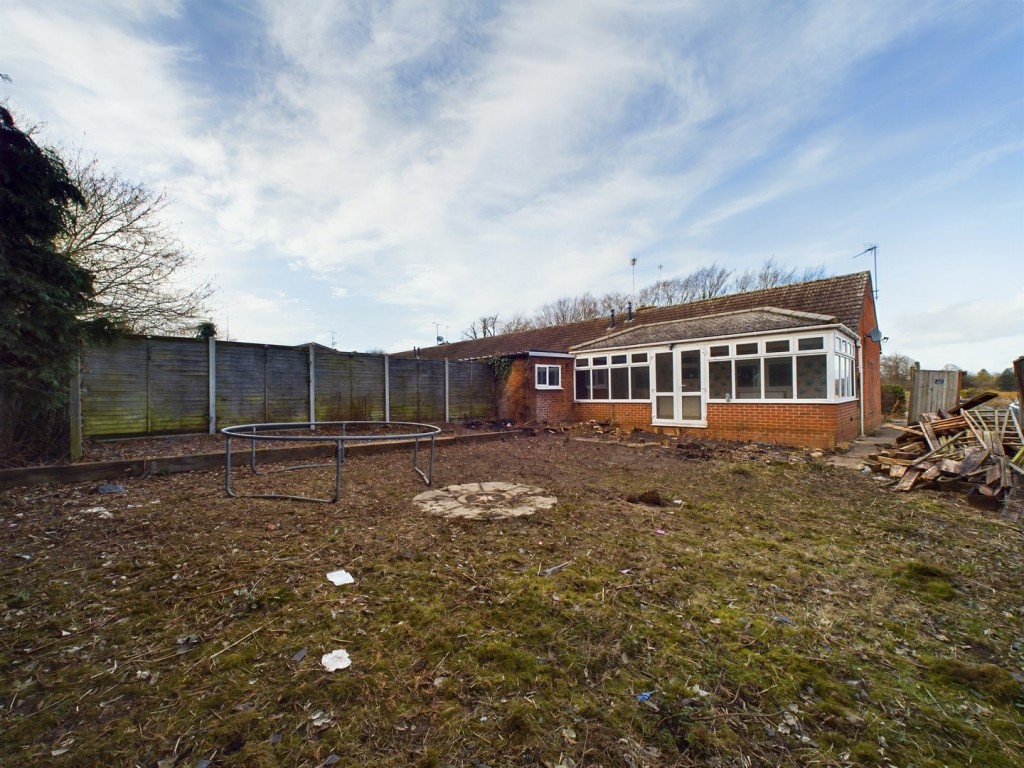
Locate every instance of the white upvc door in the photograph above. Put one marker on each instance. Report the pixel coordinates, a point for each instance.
(679, 391)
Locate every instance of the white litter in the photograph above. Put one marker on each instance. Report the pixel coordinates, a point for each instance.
(340, 577)
(103, 512)
(336, 660)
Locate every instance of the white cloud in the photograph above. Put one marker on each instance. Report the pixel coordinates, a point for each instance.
(963, 322)
(462, 159)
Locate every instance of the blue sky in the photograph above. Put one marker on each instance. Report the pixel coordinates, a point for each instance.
(363, 170)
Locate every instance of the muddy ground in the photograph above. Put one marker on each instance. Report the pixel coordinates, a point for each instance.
(714, 604)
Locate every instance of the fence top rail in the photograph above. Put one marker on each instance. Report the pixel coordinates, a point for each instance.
(273, 430)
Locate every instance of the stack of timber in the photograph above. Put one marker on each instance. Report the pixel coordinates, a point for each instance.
(976, 450)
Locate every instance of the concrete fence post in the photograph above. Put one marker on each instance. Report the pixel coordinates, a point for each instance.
(387, 389)
(312, 384)
(211, 364)
(447, 394)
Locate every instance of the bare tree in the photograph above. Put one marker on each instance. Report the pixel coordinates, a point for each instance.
(482, 328)
(705, 283)
(613, 301)
(895, 369)
(568, 309)
(133, 256)
(771, 275)
(518, 322)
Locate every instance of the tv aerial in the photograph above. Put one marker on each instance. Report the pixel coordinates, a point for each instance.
(873, 250)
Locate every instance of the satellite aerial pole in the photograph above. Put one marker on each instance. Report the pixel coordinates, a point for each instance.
(873, 250)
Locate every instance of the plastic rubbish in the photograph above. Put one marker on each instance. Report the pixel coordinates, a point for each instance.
(336, 660)
(338, 578)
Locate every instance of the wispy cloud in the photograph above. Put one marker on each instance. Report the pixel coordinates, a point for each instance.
(468, 157)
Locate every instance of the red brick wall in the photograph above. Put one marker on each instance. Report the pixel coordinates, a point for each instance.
(871, 381)
(819, 425)
(516, 400)
(552, 406)
(522, 402)
(625, 415)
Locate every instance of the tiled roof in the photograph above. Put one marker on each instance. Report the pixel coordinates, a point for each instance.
(841, 297)
(712, 326)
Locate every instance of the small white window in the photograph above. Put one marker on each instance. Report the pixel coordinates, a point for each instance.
(549, 377)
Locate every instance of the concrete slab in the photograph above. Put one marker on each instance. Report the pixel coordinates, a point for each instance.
(862, 447)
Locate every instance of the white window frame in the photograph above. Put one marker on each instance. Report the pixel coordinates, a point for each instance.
(836, 344)
(547, 376)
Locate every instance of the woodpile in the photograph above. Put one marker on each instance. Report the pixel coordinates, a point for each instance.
(975, 450)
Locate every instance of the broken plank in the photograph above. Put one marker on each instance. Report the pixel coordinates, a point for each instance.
(929, 435)
(984, 397)
(972, 460)
(892, 461)
(993, 474)
(908, 480)
(950, 466)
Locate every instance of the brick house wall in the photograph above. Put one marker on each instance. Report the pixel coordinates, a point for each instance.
(553, 406)
(818, 425)
(523, 403)
(625, 415)
(871, 375)
(515, 402)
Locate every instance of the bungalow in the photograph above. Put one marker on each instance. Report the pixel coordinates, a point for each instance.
(797, 364)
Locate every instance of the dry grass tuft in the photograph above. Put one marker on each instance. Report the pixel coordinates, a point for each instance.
(782, 614)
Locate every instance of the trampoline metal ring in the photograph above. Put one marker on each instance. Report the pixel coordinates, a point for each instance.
(255, 433)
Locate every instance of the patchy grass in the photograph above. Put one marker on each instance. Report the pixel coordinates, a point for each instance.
(787, 614)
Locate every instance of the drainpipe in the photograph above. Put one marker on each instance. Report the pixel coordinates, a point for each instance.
(860, 382)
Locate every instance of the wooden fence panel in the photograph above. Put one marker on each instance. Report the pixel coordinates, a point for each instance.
(417, 389)
(932, 391)
(287, 381)
(178, 385)
(140, 386)
(349, 387)
(241, 384)
(471, 386)
(114, 400)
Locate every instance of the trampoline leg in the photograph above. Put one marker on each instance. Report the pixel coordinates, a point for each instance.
(227, 470)
(339, 459)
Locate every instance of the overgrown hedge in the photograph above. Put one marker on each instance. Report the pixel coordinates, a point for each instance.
(894, 400)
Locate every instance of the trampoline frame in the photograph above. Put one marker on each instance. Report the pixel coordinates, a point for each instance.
(254, 433)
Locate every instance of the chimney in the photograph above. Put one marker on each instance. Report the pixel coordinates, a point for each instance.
(613, 319)
(629, 311)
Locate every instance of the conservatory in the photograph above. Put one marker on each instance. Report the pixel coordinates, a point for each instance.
(763, 373)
